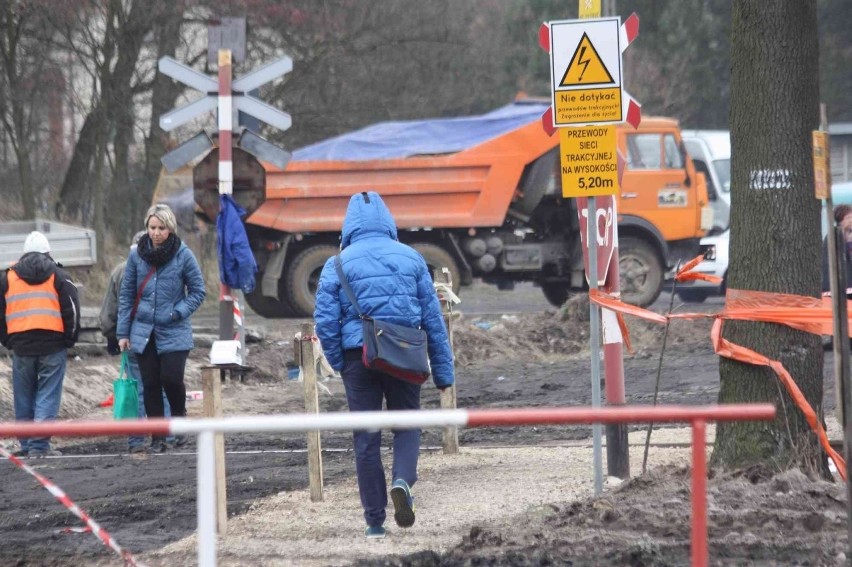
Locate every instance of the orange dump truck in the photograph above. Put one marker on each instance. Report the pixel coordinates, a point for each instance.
(480, 197)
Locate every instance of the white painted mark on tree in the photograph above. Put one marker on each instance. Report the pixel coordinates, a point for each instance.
(770, 179)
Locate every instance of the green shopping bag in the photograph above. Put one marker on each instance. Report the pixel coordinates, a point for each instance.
(125, 393)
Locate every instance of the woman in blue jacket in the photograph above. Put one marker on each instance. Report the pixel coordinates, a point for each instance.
(162, 287)
(392, 283)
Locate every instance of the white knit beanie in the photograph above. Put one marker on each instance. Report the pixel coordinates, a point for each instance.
(36, 242)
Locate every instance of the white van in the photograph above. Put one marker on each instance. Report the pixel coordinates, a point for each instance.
(715, 250)
(711, 152)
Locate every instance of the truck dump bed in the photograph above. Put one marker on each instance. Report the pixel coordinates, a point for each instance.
(441, 173)
(467, 188)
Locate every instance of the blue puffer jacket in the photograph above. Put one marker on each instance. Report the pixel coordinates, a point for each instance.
(170, 296)
(391, 282)
(237, 265)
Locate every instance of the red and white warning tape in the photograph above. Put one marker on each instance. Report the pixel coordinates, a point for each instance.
(63, 498)
(238, 313)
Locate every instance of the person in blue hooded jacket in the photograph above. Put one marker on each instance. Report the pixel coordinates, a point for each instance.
(161, 289)
(391, 283)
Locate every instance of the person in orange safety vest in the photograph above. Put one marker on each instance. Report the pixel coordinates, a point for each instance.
(41, 320)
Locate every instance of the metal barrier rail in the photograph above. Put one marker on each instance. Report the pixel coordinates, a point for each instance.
(205, 429)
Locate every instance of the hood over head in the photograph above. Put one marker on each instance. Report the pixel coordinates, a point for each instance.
(367, 216)
(34, 267)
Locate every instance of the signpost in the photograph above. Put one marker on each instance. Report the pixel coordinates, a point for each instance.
(586, 79)
(232, 96)
(839, 293)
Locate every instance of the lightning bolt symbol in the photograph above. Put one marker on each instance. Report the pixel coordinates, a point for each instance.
(583, 62)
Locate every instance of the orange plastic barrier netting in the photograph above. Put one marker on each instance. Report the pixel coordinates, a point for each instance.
(807, 314)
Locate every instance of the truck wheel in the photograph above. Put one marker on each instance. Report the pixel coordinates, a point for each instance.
(555, 293)
(641, 271)
(302, 277)
(437, 258)
(693, 295)
(268, 307)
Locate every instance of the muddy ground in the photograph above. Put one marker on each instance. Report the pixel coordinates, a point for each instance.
(516, 496)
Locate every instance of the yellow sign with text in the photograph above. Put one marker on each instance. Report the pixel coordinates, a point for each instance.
(590, 8)
(587, 106)
(589, 161)
(822, 169)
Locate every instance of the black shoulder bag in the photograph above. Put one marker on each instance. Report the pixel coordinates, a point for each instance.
(396, 350)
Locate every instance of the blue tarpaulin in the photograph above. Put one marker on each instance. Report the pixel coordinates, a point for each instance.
(392, 140)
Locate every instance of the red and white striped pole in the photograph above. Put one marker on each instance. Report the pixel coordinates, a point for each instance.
(226, 117)
(617, 448)
(226, 176)
(239, 332)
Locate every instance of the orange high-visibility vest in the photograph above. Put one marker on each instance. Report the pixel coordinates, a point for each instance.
(30, 307)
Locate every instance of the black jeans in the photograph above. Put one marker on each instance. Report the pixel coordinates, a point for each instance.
(163, 372)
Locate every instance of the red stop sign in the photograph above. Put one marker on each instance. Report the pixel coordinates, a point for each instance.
(607, 232)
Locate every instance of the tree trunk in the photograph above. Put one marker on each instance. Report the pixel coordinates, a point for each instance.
(125, 31)
(98, 176)
(775, 226)
(128, 40)
(72, 193)
(25, 173)
(163, 97)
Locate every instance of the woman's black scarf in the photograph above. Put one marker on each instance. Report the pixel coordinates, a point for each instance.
(158, 256)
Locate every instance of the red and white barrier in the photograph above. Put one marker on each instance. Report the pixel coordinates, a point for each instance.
(696, 416)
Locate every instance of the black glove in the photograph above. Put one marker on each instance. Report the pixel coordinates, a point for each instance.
(112, 346)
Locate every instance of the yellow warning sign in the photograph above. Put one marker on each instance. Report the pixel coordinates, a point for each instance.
(822, 168)
(589, 161)
(586, 67)
(585, 72)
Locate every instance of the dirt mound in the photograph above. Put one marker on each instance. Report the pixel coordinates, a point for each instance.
(540, 336)
(87, 383)
(531, 336)
(755, 518)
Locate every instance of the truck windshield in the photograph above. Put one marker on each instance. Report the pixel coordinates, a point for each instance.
(723, 172)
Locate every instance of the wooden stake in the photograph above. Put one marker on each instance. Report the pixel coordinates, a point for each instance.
(448, 396)
(211, 384)
(309, 373)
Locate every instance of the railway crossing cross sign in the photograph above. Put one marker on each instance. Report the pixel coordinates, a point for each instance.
(238, 100)
(242, 101)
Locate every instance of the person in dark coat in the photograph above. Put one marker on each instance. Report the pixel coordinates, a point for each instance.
(162, 288)
(391, 282)
(843, 218)
(41, 320)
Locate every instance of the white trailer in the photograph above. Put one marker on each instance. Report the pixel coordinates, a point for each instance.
(71, 246)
